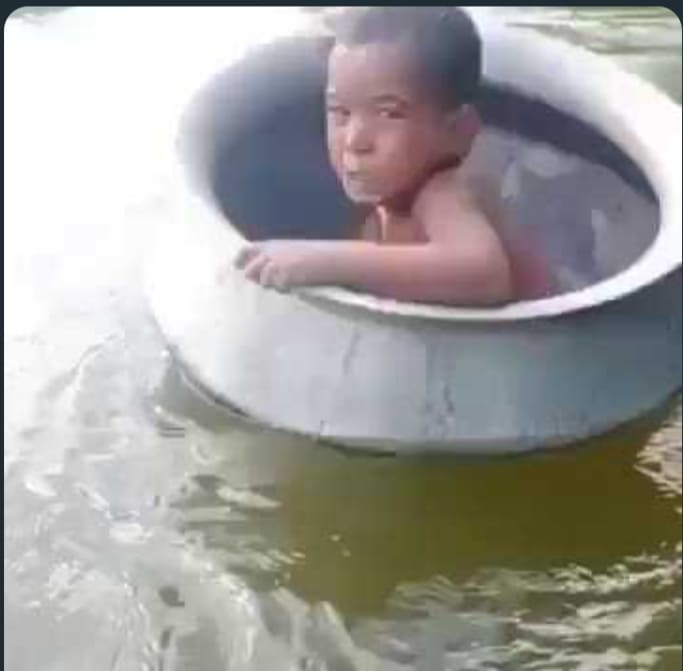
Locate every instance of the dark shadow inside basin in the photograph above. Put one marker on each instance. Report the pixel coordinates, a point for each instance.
(254, 138)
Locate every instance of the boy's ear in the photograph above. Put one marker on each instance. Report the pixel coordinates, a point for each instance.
(465, 124)
(466, 118)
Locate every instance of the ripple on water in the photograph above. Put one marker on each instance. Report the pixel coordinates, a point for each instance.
(145, 529)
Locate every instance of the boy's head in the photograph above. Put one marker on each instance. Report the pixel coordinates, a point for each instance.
(400, 80)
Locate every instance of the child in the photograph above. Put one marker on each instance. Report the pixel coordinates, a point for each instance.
(399, 124)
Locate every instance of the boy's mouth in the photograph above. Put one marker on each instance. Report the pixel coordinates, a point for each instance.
(360, 187)
(358, 177)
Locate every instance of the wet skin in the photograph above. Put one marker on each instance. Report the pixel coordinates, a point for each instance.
(395, 150)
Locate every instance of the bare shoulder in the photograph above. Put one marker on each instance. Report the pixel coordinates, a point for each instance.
(455, 216)
(453, 203)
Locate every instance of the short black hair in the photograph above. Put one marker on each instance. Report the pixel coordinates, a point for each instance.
(445, 42)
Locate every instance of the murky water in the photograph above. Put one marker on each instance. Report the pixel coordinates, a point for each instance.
(146, 530)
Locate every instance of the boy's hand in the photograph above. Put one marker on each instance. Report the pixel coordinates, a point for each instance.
(283, 264)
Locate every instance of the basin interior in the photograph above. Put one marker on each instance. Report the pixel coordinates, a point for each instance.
(255, 139)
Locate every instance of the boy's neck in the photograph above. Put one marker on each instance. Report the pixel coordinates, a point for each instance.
(402, 202)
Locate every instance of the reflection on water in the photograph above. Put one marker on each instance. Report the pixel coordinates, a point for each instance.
(147, 529)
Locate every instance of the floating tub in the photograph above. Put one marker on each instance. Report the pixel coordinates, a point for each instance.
(588, 162)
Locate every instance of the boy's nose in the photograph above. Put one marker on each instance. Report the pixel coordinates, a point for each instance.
(359, 138)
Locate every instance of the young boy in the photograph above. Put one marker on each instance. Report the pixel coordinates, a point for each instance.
(399, 124)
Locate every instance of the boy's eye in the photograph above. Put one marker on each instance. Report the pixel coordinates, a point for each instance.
(392, 113)
(337, 111)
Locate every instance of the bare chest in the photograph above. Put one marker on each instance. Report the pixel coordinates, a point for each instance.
(392, 229)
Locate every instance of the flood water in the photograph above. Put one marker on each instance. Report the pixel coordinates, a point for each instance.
(145, 530)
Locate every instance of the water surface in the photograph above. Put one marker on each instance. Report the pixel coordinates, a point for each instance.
(144, 529)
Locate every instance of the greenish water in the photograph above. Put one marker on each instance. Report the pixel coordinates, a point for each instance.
(146, 530)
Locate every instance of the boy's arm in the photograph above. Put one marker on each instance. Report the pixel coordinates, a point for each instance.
(462, 264)
(430, 272)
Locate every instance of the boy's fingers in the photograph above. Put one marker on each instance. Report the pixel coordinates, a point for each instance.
(258, 267)
(273, 277)
(252, 270)
(245, 255)
(267, 275)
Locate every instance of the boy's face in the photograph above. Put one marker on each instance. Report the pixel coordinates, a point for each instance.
(383, 134)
